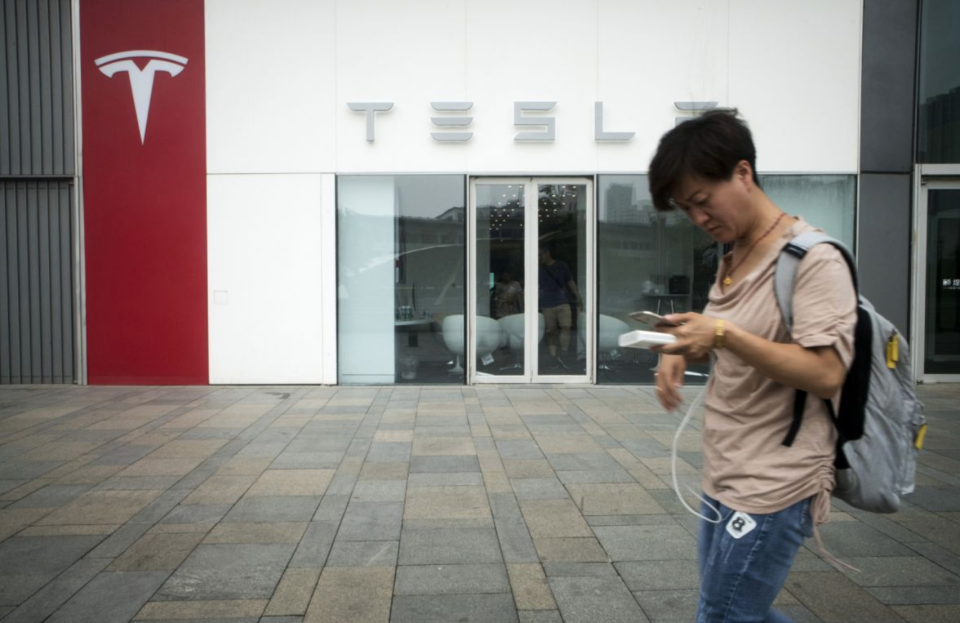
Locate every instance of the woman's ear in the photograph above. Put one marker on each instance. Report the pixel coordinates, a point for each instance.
(744, 173)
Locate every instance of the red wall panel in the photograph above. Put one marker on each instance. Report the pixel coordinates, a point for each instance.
(144, 199)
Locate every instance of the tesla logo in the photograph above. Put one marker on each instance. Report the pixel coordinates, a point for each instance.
(141, 80)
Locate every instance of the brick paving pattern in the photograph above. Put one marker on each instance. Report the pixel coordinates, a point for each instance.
(409, 505)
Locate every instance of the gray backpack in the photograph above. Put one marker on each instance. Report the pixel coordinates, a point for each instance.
(879, 421)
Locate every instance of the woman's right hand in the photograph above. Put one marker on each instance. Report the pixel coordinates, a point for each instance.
(670, 380)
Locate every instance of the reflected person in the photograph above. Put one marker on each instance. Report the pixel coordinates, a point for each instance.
(508, 296)
(558, 291)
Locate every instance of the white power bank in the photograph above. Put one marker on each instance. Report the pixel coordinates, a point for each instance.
(645, 339)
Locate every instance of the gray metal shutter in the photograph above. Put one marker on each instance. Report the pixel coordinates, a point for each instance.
(37, 178)
(36, 282)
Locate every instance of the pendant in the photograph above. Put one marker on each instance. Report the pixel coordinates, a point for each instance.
(727, 281)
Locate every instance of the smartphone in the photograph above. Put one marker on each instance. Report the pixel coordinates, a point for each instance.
(651, 319)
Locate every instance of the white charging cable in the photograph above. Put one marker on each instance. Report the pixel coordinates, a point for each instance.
(673, 463)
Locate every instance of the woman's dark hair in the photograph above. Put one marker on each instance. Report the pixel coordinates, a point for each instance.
(708, 146)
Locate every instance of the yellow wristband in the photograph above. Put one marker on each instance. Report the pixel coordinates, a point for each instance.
(718, 334)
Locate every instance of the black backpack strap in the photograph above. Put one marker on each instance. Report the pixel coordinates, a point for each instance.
(799, 402)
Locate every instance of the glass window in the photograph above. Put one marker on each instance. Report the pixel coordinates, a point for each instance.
(400, 267)
(824, 201)
(646, 260)
(661, 262)
(939, 92)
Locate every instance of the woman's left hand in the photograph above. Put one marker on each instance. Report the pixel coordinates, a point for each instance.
(696, 335)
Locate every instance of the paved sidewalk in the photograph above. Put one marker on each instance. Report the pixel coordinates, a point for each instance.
(419, 505)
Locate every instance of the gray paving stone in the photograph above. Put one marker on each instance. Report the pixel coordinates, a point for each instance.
(835, 599)
(451, 579)
(646, 543)
(8, 485)
(160, 507)
(125, 455)
(900, 571)
(594, 476)
(313, 460)
(26, 470)
(449, 546)
(212, 433)
(646, 448)
(195, 478)
(380, 491)
(388, 452)
(583, 461)
(519, 449)
(444, 464)
(659, 575)
(946, 559)
(315, 544)
(196, 513)
(342, 484)
(137, 483)
(588, 600)
(669, 606)
(579, 570)
(631, 520)
(849, 539)
(274, 508)
(538, 488)
(450, 479)
(363, 554)
(110, 598)
(504, 505)
(220, 571)
(936, 499)
(540, 616)
(57, 592)
(51, 496)
(497, 608)
(331, 508)
(28, 563)
(916, 595)
(798, 614)
(119, 541)
(536, 421)
(515, 540)
(890, 528)
(372, 521)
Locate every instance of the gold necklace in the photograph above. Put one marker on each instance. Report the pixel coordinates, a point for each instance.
(728, 279)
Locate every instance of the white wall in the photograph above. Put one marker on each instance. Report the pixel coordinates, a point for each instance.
(264, 271)
(280, 75)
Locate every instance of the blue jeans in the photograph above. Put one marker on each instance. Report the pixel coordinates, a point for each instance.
(740, 577)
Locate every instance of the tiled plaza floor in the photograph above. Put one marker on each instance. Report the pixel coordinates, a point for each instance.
(416, 505)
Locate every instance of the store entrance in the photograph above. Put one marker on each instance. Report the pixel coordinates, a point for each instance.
(530, 293)
(938, 265)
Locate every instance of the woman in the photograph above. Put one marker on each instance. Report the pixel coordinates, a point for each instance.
(768, 496)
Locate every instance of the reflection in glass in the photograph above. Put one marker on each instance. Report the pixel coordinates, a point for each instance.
(824, 201)
(500, 279)
(562, 256)
(942, 324)
(661, 262)
(939, 90)
(400, 270)
(647, 260)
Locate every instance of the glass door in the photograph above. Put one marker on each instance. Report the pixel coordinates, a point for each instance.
(531, 281)
(938, 266)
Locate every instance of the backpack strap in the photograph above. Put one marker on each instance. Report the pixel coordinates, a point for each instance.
(784, 279)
